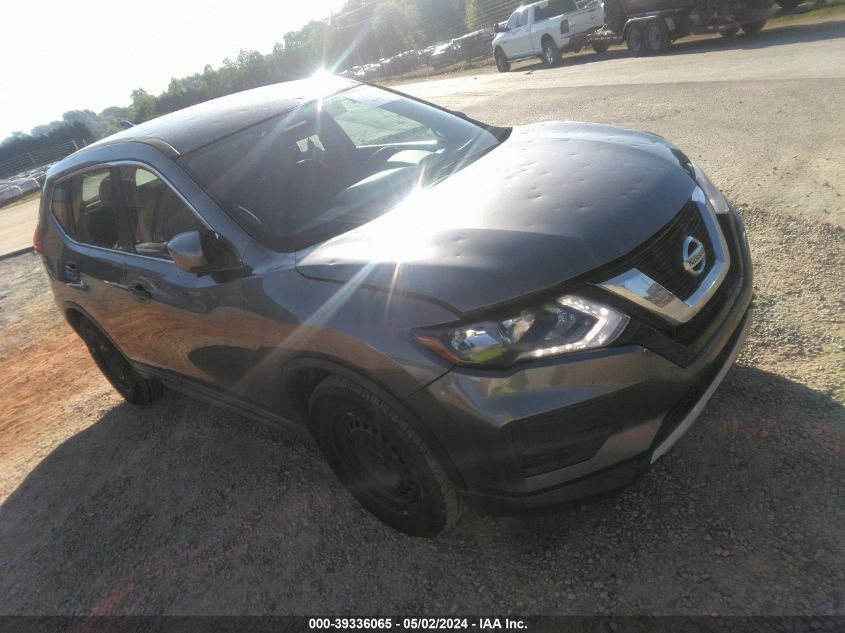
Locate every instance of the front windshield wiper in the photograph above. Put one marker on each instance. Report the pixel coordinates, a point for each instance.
(462, 159)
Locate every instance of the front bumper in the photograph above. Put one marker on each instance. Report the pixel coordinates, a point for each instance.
(573, 426)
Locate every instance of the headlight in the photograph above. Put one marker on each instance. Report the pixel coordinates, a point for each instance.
(714, 196)
(568, 324)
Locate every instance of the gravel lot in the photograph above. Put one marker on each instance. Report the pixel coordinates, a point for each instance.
(182, 508)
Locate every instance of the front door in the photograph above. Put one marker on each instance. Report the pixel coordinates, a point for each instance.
(176, 316)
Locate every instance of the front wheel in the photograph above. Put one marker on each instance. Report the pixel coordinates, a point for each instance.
(381, 458)
(117, 370)
(729, 33)
(753, 27)
(551, 54)
(502, 63)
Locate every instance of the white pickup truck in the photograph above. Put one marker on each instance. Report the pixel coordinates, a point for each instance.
(546, 29)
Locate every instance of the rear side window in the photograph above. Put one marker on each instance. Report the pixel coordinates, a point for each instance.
(94, 210)
(156, 212)
(61, 207)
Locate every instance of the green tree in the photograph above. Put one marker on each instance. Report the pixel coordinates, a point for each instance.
(143, 105)
(396, 26)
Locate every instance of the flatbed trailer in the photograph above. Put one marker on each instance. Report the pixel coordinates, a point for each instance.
(651, 33)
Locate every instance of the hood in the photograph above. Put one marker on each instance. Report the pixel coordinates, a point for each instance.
(553, 201)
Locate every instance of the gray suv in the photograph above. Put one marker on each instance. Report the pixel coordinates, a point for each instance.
(453, 311)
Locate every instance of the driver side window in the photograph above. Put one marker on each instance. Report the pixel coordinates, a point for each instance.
(156, 213)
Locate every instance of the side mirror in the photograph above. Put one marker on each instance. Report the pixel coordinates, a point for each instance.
(186, 251)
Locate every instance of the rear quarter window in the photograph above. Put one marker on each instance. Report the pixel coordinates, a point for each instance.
(60, 207)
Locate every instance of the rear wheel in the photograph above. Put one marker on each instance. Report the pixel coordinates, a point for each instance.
(656, 36)
(753, 27)
(502, 63)
(551, 53)
(729, 33)
(117, 370)
(634, 39)
(600, 47)
(381, 458)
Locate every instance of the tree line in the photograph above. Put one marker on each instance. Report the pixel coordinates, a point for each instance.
(362, 32)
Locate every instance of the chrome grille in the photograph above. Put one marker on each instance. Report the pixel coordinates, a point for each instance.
(662, 258)
(654, 277)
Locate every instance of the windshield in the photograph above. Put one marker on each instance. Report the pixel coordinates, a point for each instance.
(330, 166)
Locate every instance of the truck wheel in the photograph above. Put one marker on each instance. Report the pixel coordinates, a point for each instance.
(656, 36)
(551, 53)
(634, 39)
(502, 63)
(753, 27)
(381, 458)
(614, 15)
(729, 33)
(788, 4)
(600, 47)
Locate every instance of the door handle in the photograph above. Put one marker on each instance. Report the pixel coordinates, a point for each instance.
(140, 291)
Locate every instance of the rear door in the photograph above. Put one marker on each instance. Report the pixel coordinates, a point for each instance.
(91, 261)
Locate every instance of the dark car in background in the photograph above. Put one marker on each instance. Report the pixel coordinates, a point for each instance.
(453, 311)
(445, 54)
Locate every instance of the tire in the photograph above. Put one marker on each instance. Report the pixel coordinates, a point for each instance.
(656, 36)
(600, 47)
(117, 370)
(502, 63)
(634, 40)
(729, 34)
(381, 459)
(551, 53)
(614, 15)
(788, 4)
(753, 28)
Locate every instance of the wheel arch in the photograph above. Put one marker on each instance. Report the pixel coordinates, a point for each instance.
(301, 376)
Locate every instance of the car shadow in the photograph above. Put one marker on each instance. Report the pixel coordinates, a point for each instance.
(184, 508)
(776, 36)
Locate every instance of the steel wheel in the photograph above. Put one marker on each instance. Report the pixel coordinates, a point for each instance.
(656, 35)
(376, 462)
(634, 39)
(116, 368)
(382, 458)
